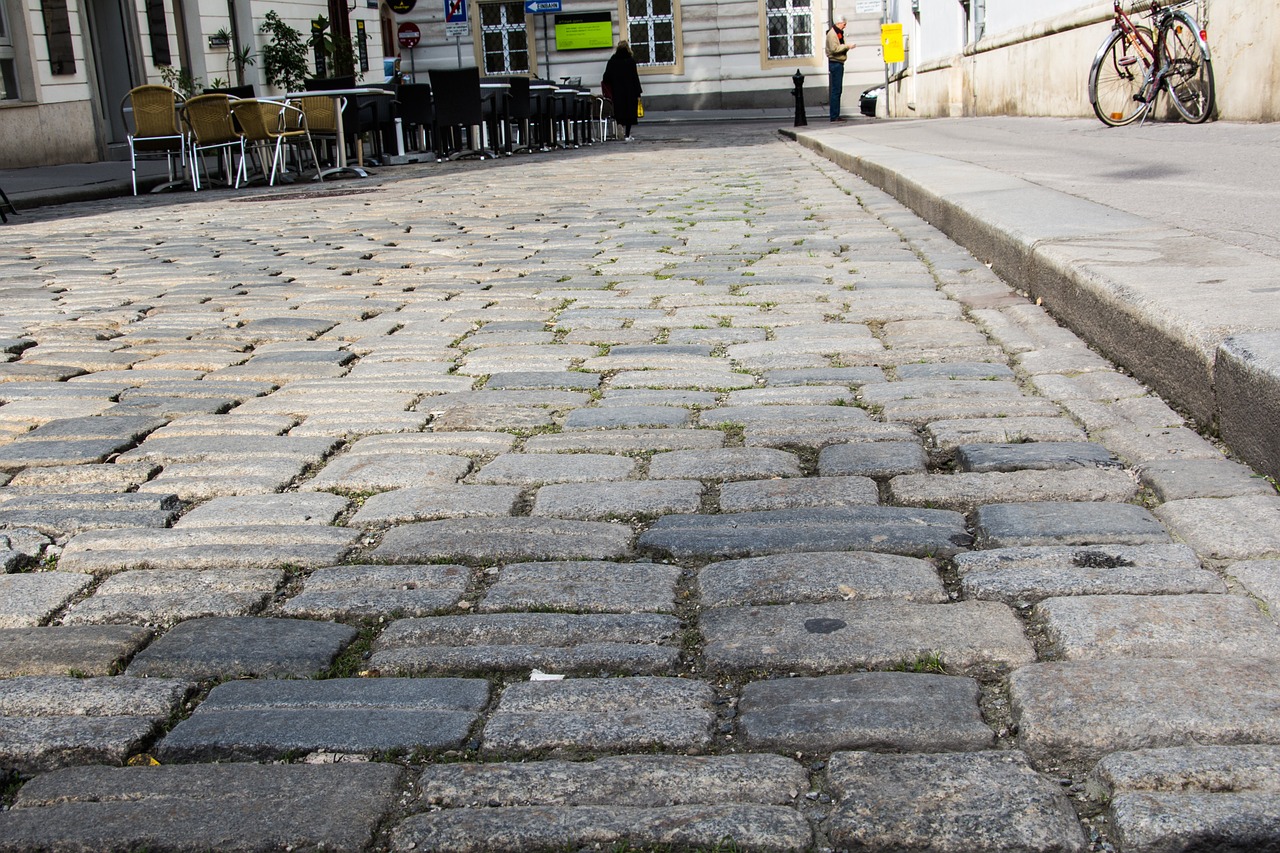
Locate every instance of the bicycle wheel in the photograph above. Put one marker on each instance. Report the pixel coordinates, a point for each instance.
(1116, 79)
(1190, 79)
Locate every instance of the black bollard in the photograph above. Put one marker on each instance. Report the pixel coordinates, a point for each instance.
(798, 94)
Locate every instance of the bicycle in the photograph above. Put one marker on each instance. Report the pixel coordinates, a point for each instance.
(1133, 66)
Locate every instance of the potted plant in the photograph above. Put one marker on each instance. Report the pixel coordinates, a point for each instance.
(284, 58)
(222, 38)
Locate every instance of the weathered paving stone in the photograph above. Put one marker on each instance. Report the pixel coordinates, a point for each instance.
(1067, 523)
(600, 501)
(34, 454)
(823, 376)
(160, 597)
(370, 472)
(70, 513)
(626, 441)
(896, 530)
(872, 459)
(1180, 479)
(127, 429)
(676, 378)
(539, 379)
(1078, 711)
(880, 711)
(810, 435)
(627, 417)
(292, 508)
(1023, 576)
(340, 592)
(29, 599)
(599, 714)
(726, 464)
(219, 448)
(964, 491)
(819, 638)
(264, 546)
(264, 720)
(528, 469)
(793, 395)
(552, 642)
(504, 540)
(950, 434)
(782, 419)
(819, 576)
(426, 503)
(954, 370)
(110, 477)
(190, 808)
(1241, 528)
(1262, 580)
(233, 647)
(951, 803)
(86, 650)
(1164, 626)
(57, 721)
(593, 587)
(1035, 455)
(1201, 797)
(199, 481)
(765, 495)
(658, 397)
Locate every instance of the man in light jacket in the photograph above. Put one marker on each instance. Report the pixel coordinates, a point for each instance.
(837, 53)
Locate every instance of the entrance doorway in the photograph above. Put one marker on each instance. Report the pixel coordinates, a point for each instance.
(112, 38)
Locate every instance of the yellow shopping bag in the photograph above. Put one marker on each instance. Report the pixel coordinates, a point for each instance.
(639, 108)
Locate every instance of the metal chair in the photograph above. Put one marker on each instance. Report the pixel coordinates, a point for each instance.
(152, 112)
(416, 108)
(459, 113)
(273, 124)
(320, 112)
(4, 202)
(209, 117)
(519, 114)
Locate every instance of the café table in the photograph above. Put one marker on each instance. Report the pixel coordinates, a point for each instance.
(339, 96)
(494, 95)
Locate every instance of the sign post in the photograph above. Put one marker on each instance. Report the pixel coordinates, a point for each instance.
(409, 35)
(456, 24)
(542, 7)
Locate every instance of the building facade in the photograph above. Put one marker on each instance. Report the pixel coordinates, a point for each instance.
(1032, 57)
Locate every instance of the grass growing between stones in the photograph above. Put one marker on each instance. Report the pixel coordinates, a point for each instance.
(353, 661)
(923, 662)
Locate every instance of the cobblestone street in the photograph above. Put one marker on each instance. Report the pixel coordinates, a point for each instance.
(688, 494)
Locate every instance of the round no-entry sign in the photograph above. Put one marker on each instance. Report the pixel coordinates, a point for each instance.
(408, 34)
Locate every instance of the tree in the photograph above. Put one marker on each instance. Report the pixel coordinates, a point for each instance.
(284, 58)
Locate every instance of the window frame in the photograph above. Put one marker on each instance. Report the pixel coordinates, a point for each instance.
(9, 55)
(677, 37)
(479, 30)
(817, 36)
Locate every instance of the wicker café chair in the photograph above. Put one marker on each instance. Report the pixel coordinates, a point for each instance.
(152, 113)
(320, 112)
(273, 124)
(209, 117)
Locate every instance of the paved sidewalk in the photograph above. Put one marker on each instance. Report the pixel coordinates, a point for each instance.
(689, 494)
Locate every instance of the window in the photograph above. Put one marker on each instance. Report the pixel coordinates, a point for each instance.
(504, 33)
(790, 27)
(8, 61)
(651, 28)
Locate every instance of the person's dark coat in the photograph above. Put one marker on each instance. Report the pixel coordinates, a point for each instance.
(622, 85)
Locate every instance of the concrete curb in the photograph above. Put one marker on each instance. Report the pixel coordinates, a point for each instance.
(1159, 301)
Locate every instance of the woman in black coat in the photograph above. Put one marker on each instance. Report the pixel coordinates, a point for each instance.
(622, 86)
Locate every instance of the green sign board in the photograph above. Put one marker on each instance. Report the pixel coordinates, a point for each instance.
(584, 31)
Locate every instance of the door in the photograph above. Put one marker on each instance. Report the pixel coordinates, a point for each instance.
(112, 38)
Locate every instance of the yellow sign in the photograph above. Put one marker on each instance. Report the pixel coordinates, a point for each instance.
(891, 43)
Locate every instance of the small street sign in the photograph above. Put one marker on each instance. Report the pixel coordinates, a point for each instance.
(408, 34)
(455, 18)
(539, 7)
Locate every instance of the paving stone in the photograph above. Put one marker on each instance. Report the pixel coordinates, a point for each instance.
(818, 437)
(1035, 455)
(527, 469)
(953, 371)
(785, 419)
(825, 376)
(576, 380)
(817, 577)
(504, 540)
(434, 502)
(66, 514)
(922, 411)
(110, 477)
(893, 530)
(949, 803)
(38, 454)
(627, 417)
(1067, 523)
(1078, 711)
(125, 429)
(601, 501)
(818, 638)
(186, 808)
(589, 586)
(764, 495)
(452, 443)
(28, 600)
(265, 720)
(547, 399)
(626, 441)
(964, 491)
(1022, 576)
(1165, 626)
(658, 397)
(352, 425)
(601, 714)
(872, 459)
(215, 448)
(202, 481)
(232, 424)
(86, 650)
(159, 597)
(711, 380)
(343, 592)
(879, 711)
(552, 642)
(1242, 528)
(221, 648)
(725, 464)
(1261, 578)
(1179, 479)
(292, 508)
(365, 472)
(793, 395)
(949, 434)
(256, 546)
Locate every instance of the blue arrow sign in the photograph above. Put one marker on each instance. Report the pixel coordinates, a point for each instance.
(535, 7)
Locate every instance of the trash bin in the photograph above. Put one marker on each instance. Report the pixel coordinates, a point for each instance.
(867, 103)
